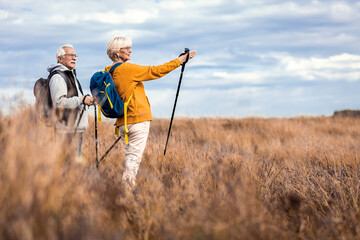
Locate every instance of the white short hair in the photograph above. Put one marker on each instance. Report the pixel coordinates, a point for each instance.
(60, 52)
(114, 45)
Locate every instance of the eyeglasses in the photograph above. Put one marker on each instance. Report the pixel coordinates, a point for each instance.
(127, 48)
(71, 55)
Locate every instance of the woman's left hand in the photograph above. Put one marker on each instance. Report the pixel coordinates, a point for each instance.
(183, 57)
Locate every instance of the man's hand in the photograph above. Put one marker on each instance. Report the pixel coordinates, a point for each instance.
(87, 100)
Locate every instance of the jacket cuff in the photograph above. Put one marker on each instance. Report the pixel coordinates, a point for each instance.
(177, 61)
(83, 101)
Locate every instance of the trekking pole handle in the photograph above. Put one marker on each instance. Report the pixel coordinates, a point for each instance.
(186, 51)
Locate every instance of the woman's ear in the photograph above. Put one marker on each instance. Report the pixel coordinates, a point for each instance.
(116, 56)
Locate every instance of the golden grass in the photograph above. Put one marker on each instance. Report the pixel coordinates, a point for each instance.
(249, 178)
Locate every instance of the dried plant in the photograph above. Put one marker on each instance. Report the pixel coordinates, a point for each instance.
(250, 178)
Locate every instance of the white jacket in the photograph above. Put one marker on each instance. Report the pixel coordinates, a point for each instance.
(58, 91)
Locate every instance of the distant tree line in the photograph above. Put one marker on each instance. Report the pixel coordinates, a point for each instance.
(347, 113)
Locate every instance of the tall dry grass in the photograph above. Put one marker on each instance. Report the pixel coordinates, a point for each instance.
(249, 178)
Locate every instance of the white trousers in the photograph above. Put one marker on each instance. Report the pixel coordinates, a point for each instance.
(138, 134)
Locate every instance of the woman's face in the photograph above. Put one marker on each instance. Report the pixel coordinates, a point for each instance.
(124, 53)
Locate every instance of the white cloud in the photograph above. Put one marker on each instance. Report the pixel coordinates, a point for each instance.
(15, 98)
(344, 67)
(242, 45)
(4, 14)
(247, 77)
(129, 16)
(135, 16)
(17, 93)
(247, 14)
(341, 11)
(173, 5)
(234, 102)
(291, 9)
(238, 102)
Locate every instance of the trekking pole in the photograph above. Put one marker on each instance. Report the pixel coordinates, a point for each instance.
(106, 153)
(77, 125)
(96, 142)
(96, 138)
(187, 51)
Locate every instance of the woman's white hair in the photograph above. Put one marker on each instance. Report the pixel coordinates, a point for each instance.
(60, 52)
(114, 45)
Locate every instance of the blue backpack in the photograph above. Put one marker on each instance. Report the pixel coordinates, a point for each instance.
(103, 90)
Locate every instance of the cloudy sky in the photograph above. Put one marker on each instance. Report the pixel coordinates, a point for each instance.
(269, 58)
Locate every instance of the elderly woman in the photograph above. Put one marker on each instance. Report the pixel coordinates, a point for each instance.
(128, 78)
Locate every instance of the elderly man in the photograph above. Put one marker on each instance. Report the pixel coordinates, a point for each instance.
(67, 96)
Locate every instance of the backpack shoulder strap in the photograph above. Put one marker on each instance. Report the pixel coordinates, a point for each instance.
(114, 67)
(48, 83)
(62, 74)
(78, 82)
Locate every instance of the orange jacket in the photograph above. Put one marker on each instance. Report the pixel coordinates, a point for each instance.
(128, 79)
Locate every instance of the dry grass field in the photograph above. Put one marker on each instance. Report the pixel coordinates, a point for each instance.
(251, 178)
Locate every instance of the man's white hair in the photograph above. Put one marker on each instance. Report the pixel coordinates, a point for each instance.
(60, 52)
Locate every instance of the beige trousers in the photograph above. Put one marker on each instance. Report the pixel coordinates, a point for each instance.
(138, 134)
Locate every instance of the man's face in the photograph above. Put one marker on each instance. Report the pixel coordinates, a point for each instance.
(69, 58)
